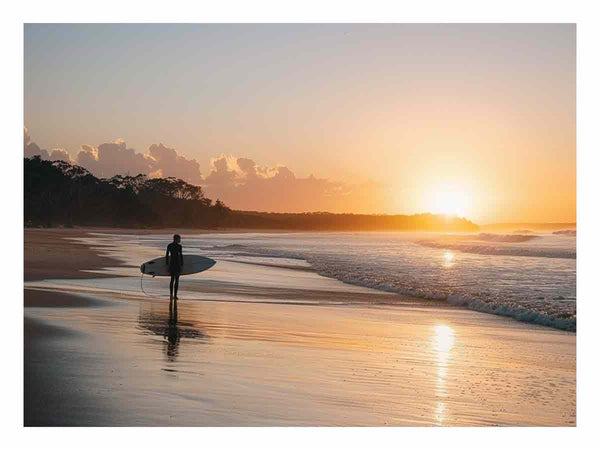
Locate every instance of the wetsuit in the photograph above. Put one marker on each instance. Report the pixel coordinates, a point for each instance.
(176, 260)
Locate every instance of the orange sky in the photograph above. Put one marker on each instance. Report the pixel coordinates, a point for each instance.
(477, 120)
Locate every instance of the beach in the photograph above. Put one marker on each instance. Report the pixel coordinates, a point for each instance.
(267, 343)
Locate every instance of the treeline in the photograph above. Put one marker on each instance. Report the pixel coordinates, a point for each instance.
(323, 221)
(60, 194)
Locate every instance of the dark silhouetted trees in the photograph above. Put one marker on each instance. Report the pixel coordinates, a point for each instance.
(58, 193)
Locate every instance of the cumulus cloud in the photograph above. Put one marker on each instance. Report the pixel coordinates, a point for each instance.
(60, 153)
(225, 172)
(113, 158)
(239, 182)
(242, 184)
(31, 148)
(171, 164)
(156, 174)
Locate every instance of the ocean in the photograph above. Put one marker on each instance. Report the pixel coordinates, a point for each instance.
(530, 277)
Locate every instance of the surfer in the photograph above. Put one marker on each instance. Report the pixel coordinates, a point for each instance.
(175, 262)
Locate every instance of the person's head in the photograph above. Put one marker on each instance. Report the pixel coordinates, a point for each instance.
(176, 238)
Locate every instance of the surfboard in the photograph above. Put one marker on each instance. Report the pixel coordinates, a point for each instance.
(191, 264)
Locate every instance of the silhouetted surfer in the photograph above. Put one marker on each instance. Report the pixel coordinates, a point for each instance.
(175, 262)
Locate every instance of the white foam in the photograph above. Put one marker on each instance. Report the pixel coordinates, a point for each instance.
(490, 237)
(531, 280)
(502, 245)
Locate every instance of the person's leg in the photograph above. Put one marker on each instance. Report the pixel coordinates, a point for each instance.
(171, 287)
(176, 285)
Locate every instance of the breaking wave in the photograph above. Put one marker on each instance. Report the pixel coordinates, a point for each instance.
(499, 244)
(557, 312)
(554, 311)
(516, 281)
(566, 233)
(562, 320)
(489, 237)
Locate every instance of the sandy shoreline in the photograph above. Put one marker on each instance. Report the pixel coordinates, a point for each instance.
(52, 253)
(310, 352)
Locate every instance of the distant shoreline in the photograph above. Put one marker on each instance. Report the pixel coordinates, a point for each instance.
(530, 226)
(498, 227)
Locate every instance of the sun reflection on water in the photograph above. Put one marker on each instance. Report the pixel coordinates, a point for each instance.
(448, 259)
(442, 343)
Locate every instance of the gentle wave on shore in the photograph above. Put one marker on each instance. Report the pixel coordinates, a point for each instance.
(527, 277)
(506, 245)
(261, 339)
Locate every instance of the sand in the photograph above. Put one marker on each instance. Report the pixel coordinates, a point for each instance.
(304, 351)
(52, 253)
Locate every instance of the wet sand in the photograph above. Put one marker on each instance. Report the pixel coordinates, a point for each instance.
(55, 253)
(303, 351)
(52, 253)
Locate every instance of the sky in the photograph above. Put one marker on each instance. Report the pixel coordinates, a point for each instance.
(476, 120)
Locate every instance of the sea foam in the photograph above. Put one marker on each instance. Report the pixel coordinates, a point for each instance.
(530, 280)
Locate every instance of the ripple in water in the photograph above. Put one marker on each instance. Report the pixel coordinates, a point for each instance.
(528, 277)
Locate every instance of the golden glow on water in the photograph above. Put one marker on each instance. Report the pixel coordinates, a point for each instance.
(442, 343)
(448, 259)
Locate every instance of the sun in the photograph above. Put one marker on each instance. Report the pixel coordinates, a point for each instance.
(449, 199)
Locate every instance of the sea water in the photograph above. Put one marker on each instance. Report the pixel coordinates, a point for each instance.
(530, 277)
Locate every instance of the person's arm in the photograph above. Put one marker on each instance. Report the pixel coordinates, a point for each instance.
(167, 255)
(181, 255)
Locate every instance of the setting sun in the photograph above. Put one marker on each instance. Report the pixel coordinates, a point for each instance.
(449, 199)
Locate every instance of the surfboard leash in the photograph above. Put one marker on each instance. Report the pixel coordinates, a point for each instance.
(142, 288)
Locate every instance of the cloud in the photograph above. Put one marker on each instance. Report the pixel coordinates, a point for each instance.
(225, 172)
(156, 174)
(113, 158)
(31, 148)
(87, 157)
(242, 184)
(60, 154)
(239, 182)
(170, 164)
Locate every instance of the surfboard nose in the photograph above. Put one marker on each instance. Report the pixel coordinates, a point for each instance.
(143, 268)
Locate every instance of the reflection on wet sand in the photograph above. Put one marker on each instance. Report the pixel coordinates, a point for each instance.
(156, 321)
(442, 343)
(172, 333)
